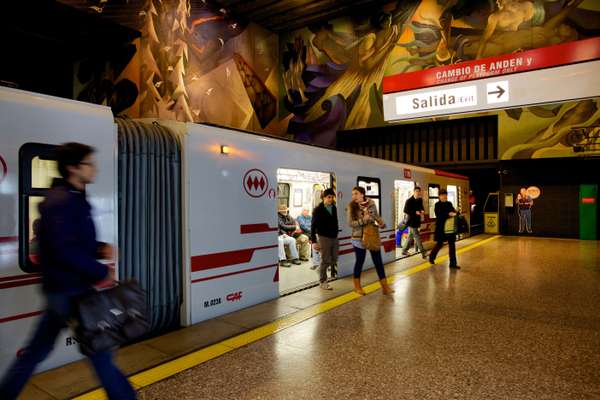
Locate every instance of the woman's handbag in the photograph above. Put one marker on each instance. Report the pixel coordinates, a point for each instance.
(370, 237)
(111, 317)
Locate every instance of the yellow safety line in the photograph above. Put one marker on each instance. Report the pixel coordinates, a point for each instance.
(170, 368)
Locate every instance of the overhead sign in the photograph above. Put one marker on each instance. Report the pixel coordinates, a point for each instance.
(546, 57)
(551, 85)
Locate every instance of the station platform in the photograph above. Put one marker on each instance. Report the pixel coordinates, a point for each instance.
(519, 320)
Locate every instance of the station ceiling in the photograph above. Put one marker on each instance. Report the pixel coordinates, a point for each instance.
(275, 15)
(287, 15)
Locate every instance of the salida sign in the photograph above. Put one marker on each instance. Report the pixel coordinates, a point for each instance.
(436, 100)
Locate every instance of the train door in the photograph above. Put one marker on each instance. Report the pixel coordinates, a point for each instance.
(298, 192)
(453, 196)
(403, 189)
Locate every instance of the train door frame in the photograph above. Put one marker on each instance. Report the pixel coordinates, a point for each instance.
(331, 184)
(399, 204)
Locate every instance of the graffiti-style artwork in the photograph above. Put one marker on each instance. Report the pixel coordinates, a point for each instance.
(193, 62)
(331, 73)
(563, 130)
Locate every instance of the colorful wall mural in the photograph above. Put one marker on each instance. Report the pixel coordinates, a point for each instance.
(192, 63)
(550, 131)
(332, 73)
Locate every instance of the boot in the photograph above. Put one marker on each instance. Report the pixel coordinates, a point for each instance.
(385, 287)
(357, 288)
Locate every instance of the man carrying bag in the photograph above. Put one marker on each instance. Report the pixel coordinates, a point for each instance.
(68, 262)
(445, 229)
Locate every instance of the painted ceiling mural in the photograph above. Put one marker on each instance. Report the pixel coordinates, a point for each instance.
(550, 131)
(192, 63)
(331, 73)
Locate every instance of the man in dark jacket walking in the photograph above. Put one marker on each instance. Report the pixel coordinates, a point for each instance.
(415, 210)
(443, 211)
(324, 235)
(69, 264)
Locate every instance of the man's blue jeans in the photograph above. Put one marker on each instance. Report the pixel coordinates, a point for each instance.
(58, 311)
(525, 220)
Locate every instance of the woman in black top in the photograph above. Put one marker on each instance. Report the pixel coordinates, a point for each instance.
(444, 210)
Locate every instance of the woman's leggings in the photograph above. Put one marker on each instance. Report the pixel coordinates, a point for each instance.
(361, 254)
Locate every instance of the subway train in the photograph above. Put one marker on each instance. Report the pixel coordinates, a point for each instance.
(191, 207)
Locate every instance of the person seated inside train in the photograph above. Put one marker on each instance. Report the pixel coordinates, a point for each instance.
(34, 243)
(302, 234)
(305, 222)
(287, 227)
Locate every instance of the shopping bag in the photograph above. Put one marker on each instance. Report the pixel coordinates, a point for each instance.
(450, 226)
(403, 224)
(106, 319)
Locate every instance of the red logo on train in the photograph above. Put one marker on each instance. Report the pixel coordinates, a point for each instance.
(234, 296)
(255, 183)
(3, 169)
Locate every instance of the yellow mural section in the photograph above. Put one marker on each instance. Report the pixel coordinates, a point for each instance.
(551, 131)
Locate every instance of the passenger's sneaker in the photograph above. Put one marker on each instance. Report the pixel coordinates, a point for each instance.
(303, 259)
(325, 286)
(295, 261)
(314, 267)
(404, 253)
(424, 255)
(285, 264)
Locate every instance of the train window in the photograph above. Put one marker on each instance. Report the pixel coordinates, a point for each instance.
(317, 193)
(433, 193)
(283, 194)
(37, 170)
(372, 188)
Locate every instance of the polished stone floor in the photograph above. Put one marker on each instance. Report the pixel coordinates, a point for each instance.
(521, 320)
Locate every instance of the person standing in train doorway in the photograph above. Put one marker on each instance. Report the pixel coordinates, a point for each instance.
(324, 235)
(443, 211)
(524, 204)
(413, 207)
(69, 264)
(362, 217)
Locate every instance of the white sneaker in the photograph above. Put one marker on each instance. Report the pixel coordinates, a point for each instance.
(325, 286)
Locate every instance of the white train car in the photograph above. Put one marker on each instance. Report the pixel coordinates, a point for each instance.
(211, 247)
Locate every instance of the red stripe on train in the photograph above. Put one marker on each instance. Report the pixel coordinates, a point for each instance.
(18, 277)
(7, 239)
(23, 282)
(451, 175)
(224, 259)
(208, 278)
(20, 316)
(256, 228)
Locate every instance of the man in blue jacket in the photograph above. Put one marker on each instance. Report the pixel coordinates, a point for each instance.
(69, 265)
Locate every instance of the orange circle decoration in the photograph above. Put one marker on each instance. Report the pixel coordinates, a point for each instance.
(534, 192)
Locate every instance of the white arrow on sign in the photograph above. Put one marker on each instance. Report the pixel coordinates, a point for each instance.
(497, 92)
